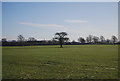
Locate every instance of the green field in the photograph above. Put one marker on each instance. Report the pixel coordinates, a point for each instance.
(52, 62)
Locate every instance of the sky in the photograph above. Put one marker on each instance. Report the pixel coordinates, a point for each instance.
(0, 20)
(60, 0)
(43, 19)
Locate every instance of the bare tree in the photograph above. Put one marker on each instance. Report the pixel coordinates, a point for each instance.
(114, 39)
(95, 39)
(21, 38)
(61, 36)
(89, 39)
(102, 39)
(81, 40)
(31, 39)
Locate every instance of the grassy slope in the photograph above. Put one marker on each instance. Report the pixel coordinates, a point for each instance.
(77, 61)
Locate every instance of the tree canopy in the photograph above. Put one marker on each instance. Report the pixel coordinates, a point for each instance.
(61, 36)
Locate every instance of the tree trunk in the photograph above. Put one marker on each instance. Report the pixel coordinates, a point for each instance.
(61, 46)
(61, 43)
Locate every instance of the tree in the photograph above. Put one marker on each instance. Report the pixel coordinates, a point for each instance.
(4, 40)
(81, 40)
(66, 39)
(114, 39)
(95, 39)
(102, 39)
(21, 38)
(107, 41)
(61, 36)
(54, 41)
(31, 39)
(89, 39)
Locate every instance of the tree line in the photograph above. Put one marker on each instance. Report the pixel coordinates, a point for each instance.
(59, 39)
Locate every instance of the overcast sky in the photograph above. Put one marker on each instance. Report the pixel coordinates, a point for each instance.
(43, 19)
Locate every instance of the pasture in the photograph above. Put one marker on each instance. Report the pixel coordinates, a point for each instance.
(52, 62)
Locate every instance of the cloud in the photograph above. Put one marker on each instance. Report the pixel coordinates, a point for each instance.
(53, 26)
(76, 21)
(56, 27)
(50, 26)
(44, 25)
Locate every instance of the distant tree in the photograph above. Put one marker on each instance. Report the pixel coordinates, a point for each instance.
(49, 41)
(107, 41)
(20, 38)
(66, 39)
(54, 41)
(119, 38)
(89, 39)
(61, 36)
(95, 39)
(102, 39)
(31, 39)
(73, 41)
(13, 40)
(81, 40)
(114, 39)
(4, 40)
(119, 42)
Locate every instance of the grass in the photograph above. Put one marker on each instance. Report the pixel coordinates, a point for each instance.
(52, 62)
